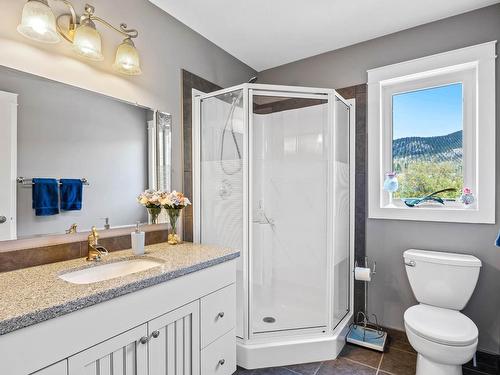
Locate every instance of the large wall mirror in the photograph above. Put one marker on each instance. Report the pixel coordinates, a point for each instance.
(50, 130)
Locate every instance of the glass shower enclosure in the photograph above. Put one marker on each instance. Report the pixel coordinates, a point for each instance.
(273, 177)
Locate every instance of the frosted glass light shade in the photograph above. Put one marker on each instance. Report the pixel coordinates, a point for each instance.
(127, 59)
(38, 22)
(87, 41)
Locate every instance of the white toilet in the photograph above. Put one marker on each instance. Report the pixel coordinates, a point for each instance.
(443, 283)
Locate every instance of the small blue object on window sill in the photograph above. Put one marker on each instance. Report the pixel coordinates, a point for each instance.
(428, 198)
(497, 241)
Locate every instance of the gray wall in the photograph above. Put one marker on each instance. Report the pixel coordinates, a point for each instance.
(390, 293)
(68, 132)
(166, 46)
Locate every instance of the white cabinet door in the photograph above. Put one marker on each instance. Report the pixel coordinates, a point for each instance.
(8, 165)
(174, 346)
(125, 354)
(60, 368)
(218, 314)
(219, 358)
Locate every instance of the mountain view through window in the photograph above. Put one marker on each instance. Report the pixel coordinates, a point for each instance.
(427, 152)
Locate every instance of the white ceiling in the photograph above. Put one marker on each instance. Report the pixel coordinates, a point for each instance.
(268, 33)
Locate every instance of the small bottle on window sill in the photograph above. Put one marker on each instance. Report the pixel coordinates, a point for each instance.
(391, 185)
(467, 198)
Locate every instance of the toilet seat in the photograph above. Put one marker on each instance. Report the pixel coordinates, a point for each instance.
(443, 326)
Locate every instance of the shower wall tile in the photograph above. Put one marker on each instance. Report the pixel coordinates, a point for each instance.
(188, 184)
(360, 155)
(361, 89)
(190, 81)
(347, 92)
(284, 104)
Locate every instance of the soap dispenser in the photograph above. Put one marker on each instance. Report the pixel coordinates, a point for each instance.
(138, 240)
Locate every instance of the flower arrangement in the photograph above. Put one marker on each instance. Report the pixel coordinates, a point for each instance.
(173, 202)
(151, 200)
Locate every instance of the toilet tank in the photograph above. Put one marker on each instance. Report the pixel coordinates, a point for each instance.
(441, 279)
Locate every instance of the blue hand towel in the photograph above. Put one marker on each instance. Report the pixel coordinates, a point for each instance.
(71, 194)
(45, 196)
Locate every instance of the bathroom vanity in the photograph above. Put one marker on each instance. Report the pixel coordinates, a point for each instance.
(177, 317)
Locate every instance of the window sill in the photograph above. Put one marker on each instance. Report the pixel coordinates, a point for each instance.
(452, 213)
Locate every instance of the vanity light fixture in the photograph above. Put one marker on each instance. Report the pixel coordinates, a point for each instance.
(127, 58)
(39, 23)
(87, 41)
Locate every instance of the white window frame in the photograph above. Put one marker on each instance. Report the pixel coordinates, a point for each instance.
(474, 67)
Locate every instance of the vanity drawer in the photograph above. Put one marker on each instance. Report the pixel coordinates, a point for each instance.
(219, 358)
(218, 314)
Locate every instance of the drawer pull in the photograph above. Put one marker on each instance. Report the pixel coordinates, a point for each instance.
(220, 315)
(221, 362)
(155, 334)
(144, 340)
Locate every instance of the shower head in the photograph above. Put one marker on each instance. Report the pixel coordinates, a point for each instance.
(253, 79)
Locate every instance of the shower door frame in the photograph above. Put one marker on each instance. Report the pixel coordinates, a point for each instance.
(252, 334)
(284, 91)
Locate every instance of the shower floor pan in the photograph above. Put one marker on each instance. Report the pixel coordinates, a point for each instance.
(299, 348)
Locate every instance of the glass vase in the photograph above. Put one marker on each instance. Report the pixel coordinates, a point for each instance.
(391, 185)
(154, 212)
(173, 215)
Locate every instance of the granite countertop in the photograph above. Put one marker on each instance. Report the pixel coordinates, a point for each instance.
(33, 295)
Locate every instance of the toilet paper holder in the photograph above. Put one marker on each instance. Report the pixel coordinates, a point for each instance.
(363, 331)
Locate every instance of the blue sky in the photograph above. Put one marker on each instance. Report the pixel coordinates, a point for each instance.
(428, 113)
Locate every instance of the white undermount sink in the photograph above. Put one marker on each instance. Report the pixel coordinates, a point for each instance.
(109, 271)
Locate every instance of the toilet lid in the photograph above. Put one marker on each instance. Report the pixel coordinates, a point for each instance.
(444, 326)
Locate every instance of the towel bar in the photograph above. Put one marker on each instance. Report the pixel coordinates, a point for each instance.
(29, 181)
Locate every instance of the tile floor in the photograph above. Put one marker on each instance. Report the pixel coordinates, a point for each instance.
(399, 358)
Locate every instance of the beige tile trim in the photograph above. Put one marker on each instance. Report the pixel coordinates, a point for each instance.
(58, 239)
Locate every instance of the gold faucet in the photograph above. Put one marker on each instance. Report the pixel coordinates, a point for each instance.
(95, 251)
(72, 229)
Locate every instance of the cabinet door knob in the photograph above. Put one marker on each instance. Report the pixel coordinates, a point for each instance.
(220, 315)
(222, 361)
(144, 340)
(3, 219)
(155, 334)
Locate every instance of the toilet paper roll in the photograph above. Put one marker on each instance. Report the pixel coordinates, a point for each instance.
(362, 274)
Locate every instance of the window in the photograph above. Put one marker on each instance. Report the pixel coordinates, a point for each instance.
(427, 140)
(426, 120)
